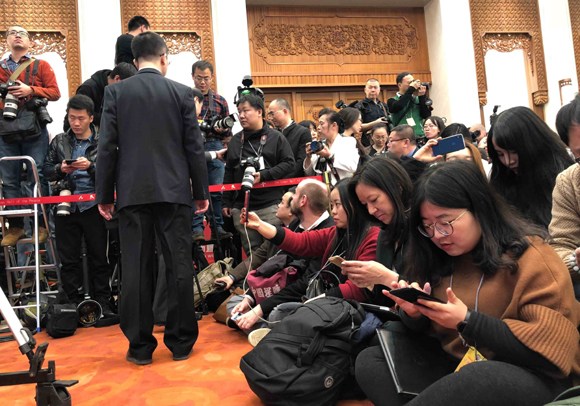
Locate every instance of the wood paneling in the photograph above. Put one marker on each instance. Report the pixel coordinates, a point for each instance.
(574, 6)
(294, 47)
(518, 28)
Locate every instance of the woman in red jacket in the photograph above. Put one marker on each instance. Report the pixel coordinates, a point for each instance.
(352, 237)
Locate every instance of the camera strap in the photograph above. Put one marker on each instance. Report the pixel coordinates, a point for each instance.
(27, 78)
(18, 70)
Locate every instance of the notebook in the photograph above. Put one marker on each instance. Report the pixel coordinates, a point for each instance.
(415, 360)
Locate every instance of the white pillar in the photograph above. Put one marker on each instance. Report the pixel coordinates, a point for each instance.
(231, 46)
(452, 61)
(99, 27)
(558, 53)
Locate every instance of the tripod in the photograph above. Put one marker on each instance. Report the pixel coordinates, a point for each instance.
(49, 391)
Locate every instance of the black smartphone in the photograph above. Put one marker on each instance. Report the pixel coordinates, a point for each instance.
(381, 311)
(69, 161)
(412, 295)
(450, 144)
(316, 146)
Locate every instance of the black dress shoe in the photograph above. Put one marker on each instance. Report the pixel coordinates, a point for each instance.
(177, 357)
(138, 361)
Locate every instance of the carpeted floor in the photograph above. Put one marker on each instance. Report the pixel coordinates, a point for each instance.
(96, 357)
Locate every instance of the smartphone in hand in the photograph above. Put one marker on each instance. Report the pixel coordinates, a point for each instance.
(412, 295)
(449, 144)
(69, 161)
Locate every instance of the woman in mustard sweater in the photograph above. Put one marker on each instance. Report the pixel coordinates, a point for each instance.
(504, 291)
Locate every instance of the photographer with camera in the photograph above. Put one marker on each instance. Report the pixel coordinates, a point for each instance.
(411, 105)
(257, 153)
(332, 152)
(373, 111)
(213, 108)
(33, 87)
(70, 165)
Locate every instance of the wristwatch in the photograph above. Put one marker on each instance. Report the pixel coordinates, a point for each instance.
(461, 325)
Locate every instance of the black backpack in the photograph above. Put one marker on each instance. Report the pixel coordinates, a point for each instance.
(306, 358)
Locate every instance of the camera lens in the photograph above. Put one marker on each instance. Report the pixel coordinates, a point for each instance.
(248, 179)
(10, 107)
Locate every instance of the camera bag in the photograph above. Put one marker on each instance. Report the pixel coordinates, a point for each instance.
(25, 127)
(61, 317)
(307, 358)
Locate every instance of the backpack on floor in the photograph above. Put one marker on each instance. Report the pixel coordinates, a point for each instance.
(306, 358)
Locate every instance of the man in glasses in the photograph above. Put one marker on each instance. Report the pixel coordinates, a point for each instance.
(35, 83)
(213, 106)
(402, 141)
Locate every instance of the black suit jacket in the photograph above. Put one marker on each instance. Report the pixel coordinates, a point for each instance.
(150, 146)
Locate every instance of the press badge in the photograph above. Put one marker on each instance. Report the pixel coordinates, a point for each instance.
(410, 121)
(262, 164)
(472, 355)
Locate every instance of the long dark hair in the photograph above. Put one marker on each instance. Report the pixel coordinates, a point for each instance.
(389, 176)
(461, 185)
(541, 155)
(357, 225)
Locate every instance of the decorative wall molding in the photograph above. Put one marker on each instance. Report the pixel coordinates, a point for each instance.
(53, 25)
(340, 37)
(180, 20)
(299, 47)
(574, 6)
(518, 28)
(178, 42)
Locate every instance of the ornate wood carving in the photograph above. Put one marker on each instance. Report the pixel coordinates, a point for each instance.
(574, 6)
(338, 37)
(178, 20)
(178, 42)
(518, 28)
(53, 27)
(312, 46)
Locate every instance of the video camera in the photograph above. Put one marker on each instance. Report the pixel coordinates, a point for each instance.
(342, 105)
(428, 100)
(247, 89)
(216, 126)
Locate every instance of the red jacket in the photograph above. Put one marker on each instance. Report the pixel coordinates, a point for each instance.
(318, 243)
(43, 84)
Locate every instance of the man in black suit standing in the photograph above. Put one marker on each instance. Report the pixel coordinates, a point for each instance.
(151, 153)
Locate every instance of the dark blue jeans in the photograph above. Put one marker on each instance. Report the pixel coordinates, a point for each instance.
(11, 171)
(215, 173)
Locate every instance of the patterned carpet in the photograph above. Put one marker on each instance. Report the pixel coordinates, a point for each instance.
(96, 357)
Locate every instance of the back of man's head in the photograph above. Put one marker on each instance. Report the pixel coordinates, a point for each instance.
(317, 195)
(136, 22)
(124, 70)
(81, 102)
(148, 46)
(568, 115)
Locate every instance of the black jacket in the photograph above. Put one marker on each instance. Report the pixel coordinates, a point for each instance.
(297, 136)
(279, 161)
(150, 146)
(61, 148)
(94, 88)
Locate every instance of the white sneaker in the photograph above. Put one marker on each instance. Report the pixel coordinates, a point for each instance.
(256, 335)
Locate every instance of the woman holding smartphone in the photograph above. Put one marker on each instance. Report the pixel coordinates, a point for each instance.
(352, 237)
(506, 293)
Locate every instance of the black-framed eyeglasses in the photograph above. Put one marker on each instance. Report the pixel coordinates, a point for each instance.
(444, 228)
(399, 139)
(19, 33)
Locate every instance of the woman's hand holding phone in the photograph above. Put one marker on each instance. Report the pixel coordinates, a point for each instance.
(412, 309)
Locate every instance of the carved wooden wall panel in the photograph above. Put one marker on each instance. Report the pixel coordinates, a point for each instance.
(310, 47)
(505, 25)
(574, 6)
(185, 24)
(53, 27)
